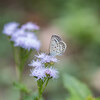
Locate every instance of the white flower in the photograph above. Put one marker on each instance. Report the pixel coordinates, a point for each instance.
(46, 58)
(30, 26)
(10, 28)
(21, 37)
(41, 73)
(36, 64)
(38, 73)
(27, 42)
(18, 33)
(51, 72)
(42, 67)
(41, 56)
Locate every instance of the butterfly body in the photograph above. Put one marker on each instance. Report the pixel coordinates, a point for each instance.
(57, 46)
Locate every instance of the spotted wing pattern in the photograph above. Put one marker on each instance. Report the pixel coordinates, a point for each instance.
(57, 46)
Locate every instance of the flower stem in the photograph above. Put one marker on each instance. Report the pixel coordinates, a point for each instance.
(18, 67)
(40, 85)
(20, 56)
(16, 58)
(45, 85)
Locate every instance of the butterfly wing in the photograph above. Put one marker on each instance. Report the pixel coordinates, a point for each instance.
(62, 47)
(57, 47)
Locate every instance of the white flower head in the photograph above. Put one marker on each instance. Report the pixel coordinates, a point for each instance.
(10, 28)
(51, 72)
(43, 67)
(36, 64)
(27, 43)
(27, 40)
(18, 33)
(21, 37)
(46, 58)
(41, 56)
(30, 26)
(38, 73)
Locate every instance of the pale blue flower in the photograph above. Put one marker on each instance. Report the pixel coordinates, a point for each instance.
(53, 59)
(31, 35)
(46, 58)
(41, 69)
(36, 64)
(25, 39)
(51, 72)
(30, 26)
(23, 36)
(38, 73)
(10, 28)
(42, 72)
(18, 32)
(27, 42)
(41, 56)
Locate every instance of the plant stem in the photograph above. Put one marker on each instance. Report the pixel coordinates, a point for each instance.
(20, 57)
(16, 58)
(45, 85)
(18, 68)
(40, 85)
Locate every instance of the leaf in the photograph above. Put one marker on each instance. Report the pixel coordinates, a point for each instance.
(77, 89)
(90, 98)
(21, 87)
(32, 97)
(27, 97)
(97, 99)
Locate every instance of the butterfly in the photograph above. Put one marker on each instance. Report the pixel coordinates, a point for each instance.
(57, 46)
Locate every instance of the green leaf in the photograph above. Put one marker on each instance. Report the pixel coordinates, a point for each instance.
(90, 98)
(77, 89)
(31, 97)
(97, 99)
(21, 87)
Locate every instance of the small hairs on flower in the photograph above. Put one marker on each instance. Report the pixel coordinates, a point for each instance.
(36, 64)
(46, 58)
(42, 68)
(41, 73)
(51, 72)
(38, 73)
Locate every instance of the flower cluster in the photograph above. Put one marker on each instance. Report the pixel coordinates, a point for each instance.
(42, 67)
(23, 36)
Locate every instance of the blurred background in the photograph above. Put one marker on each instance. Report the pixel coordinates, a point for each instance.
(76, 21)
